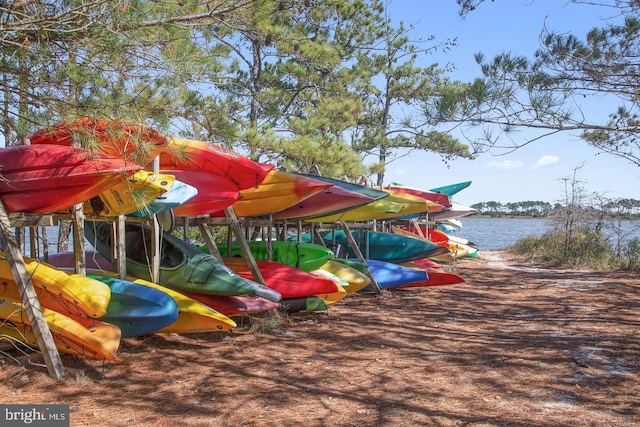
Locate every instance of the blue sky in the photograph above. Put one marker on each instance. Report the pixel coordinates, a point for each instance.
(539, 170)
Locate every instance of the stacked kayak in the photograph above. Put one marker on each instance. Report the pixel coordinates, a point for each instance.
(197, 292)
(302, 255)
(383, 246)
(183, 267)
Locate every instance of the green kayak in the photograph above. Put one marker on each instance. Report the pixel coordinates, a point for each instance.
(302, 255)
(183, 267)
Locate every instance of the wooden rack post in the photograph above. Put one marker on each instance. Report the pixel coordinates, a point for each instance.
(29, 298)
(244, 247)
(356, 250)
(79, 258)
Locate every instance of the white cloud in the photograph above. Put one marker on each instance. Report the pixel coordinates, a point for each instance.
(545, 160)
(505, 164)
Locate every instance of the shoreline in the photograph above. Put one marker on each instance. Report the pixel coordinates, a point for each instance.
(515, 344)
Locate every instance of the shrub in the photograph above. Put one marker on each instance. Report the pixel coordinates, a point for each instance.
(631, 255)
(583, 249)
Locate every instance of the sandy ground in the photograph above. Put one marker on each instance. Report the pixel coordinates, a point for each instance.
(516, 345)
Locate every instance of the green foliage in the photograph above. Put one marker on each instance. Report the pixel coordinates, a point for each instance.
(631, 255)
(586, 250)
(550, 92)
(294, 82)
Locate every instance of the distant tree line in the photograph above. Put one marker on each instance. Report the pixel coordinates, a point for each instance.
(622, 208)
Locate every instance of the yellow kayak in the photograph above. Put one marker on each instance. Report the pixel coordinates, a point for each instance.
(333, 297)
(130, 195)
(278, 191)
(79, 294)
(193, 316)
(92, 338)
(394, 205)
(456, 250)
(356, 279)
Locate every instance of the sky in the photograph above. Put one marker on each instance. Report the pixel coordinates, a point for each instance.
(538, 171)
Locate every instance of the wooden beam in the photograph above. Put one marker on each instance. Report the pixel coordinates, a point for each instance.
(156, 234)
(34, 247)
(208, 240)
(361, 258)
(29, 298)
(79, 258)
(414, 223)
(244, 247)
(22, 219)
(120, 246)
(156, 247)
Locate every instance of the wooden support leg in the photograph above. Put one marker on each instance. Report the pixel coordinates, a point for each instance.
(29, 298)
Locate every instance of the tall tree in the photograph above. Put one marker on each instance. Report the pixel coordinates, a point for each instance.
(550, 91)
(394, 87)
(99, 58)
(283, 90)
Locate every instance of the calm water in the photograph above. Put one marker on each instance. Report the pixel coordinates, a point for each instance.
(497, 233)
(486, 233)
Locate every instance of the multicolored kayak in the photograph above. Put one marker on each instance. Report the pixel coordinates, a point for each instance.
(51, 178)
(331, 200)
(179, 194)
(279, 190)
(68, 292)
(189, 154)
(136, 309)
(289, 281)
(119, 138)
(193, 316)
(130, 195)
(83, 337)
(233, 306)
(183, 266)
(360, 189)
(215, 192)
(392, 206)
(383, 246)
(439, 198)
(302, 255)
(357, 279)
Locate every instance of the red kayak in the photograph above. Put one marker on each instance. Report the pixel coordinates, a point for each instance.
(437, 277)
(279, 190)
(202, 155)
(331, 200)
(289, 281)
(441, 199)
(50, 178)
(214, 192)
(114, 137)
(234, 305)
(422, 263)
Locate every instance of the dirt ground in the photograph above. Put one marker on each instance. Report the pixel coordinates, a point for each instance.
(515, 345)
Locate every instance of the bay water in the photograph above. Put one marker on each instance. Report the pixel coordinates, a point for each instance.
(488, 234)
(493, 234)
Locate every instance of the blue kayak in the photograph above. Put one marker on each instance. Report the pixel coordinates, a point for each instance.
(388, 274)
(179, 193)
(136, 309)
